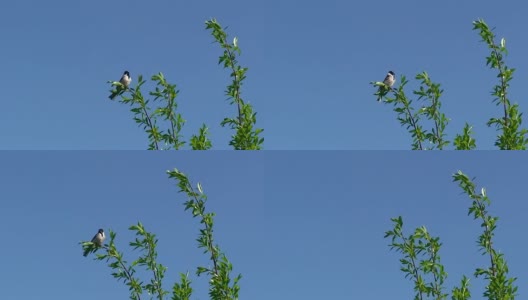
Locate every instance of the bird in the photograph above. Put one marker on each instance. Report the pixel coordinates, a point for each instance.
(388, 81)
(125, 82)
(98, 240)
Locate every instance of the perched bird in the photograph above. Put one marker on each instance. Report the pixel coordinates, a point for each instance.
(125, 81)
(98, 240)
(388, 81)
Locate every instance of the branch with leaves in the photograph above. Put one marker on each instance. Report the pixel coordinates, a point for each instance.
(431, 92)
(146, 243)
(421, 260)
(122, 270)
(246, 136)
(465, 141)
(222, 286)
(164, 114)
(220, 272)
(499, 285)
(163, 125)
(411, 118)
(512, 136)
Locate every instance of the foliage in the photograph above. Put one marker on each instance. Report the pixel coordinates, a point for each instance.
(419, 245)
(464, 141)
(246, 137)
(499, 285)
(222, 286)
(164, 137)
(511, 137)
(163, 124)
(429, 92)
(421, 260)
(220, 279)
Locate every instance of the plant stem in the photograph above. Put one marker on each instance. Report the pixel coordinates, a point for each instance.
(415, 270)
(150, 125)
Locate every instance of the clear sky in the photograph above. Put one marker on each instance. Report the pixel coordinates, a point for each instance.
(297, 225)
(310, 64)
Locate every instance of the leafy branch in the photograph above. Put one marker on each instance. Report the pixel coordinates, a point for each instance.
(148, 245)
(123, 271)
(432, 92)
(406, 113)
(168, 93)
(246, 137)
(465, 141)
(420, 251)
(499, 285)
(220, 278)
(221, 287)
(421, 261)
(512, 137)
(168, 135)
(201, 141)
(411, 117)
(145, 116)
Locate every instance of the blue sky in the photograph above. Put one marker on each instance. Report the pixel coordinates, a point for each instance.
(297, 225)
(310, 64)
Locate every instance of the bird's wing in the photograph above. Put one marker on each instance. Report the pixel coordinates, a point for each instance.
(94, 239)
(123, 80)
